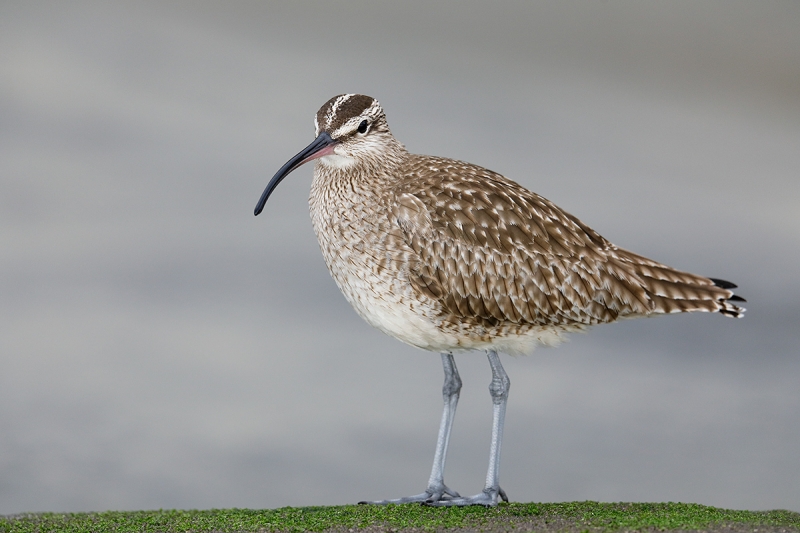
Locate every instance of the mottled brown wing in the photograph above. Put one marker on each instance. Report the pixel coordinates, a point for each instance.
(492, 251)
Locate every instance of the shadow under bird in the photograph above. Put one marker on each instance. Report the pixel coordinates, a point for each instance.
(448, 256)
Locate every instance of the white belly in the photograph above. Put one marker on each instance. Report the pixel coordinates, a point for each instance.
(388, 302)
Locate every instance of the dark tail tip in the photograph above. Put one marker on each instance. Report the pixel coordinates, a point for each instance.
(721, 283)
(736, 298)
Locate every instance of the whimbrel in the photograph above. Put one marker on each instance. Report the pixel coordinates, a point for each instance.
(448, 256)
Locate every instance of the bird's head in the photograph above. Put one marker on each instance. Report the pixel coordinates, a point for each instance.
(351, 130)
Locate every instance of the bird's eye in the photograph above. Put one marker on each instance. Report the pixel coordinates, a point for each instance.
(362, 128)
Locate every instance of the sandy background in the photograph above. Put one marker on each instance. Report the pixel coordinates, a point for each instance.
(162, 348)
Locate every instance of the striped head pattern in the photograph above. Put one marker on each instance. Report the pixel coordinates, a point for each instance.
(357, 123)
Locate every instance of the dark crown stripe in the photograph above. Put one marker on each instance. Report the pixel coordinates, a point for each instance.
(339, 110)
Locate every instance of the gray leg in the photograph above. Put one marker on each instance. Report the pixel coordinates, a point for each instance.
(498, 388)
(437, 490)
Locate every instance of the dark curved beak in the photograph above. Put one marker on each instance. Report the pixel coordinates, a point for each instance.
(322, 146)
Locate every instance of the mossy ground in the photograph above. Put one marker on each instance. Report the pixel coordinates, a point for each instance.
(577, 516)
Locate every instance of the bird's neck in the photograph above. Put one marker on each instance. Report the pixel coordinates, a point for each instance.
(367, 179)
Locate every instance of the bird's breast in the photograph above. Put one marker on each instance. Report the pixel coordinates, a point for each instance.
(367, 257)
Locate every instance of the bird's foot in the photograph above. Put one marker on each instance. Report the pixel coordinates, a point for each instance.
(434, 494)
(488, 498)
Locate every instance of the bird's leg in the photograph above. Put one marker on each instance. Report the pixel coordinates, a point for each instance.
(451, 390)
(437, 490)
(499, 392)
(498, 389)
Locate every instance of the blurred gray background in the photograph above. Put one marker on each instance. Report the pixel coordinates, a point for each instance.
(162, 348)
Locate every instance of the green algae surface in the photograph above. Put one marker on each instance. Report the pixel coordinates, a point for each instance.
(575, 516)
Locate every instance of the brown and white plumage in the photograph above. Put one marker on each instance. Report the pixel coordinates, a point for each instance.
(488, 262)
(447, 256)
(491, 251)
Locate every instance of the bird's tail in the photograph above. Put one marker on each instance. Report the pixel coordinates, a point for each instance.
(674, 291)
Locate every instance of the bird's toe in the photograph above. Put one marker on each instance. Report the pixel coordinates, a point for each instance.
(487, 498)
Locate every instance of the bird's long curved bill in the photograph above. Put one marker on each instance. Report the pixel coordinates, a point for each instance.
(321, 146)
